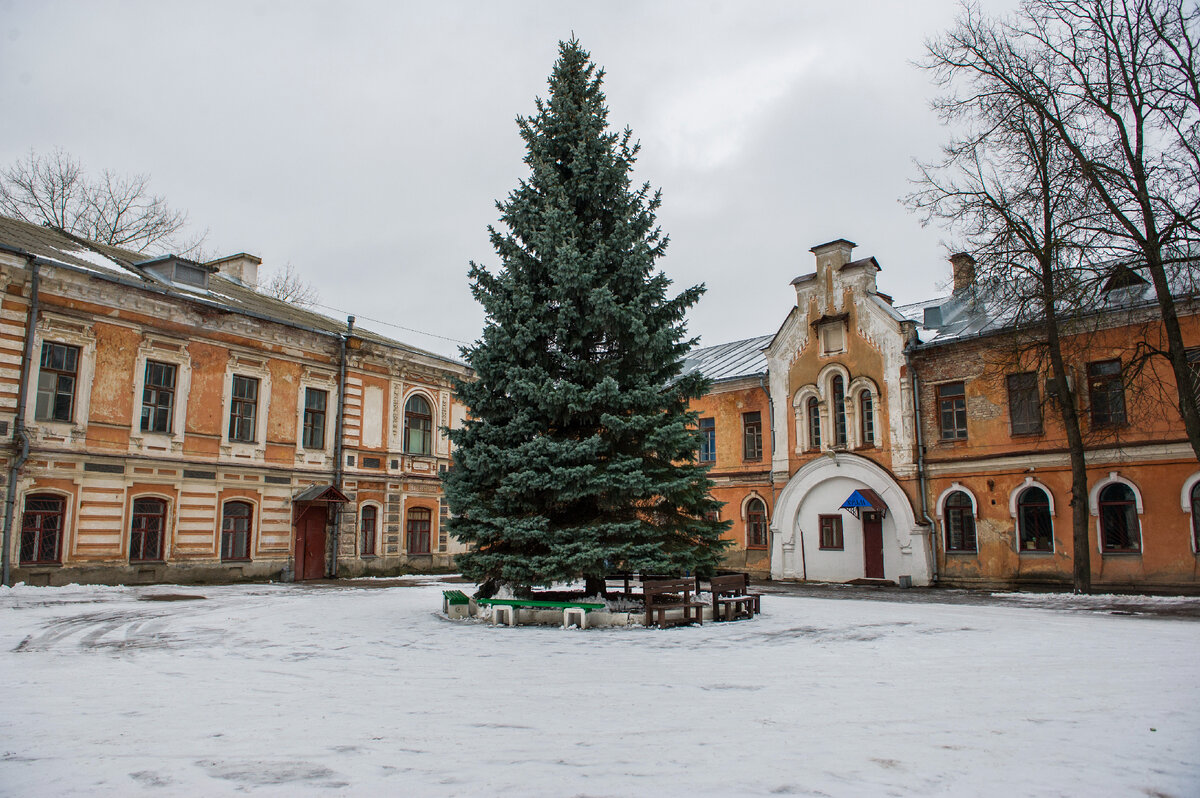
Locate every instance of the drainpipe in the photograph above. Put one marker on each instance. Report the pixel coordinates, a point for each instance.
(771, 473)
(916, 389)
(339, 465)
(20, 437)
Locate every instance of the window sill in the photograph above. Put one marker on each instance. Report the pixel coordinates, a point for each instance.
(763, 547)
(39, 565)
(235, 560)
(962, 552)
(147, 562)
(831, 548)
(1035, 552)
(1121, 552)
(1036, 434)
(368, 556)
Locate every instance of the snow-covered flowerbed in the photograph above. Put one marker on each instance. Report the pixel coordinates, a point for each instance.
(295, 690)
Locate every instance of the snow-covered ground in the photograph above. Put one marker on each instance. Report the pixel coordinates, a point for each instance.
(363, 690)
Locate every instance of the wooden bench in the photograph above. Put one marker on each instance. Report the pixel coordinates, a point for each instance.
(667, 595)
(570, 609)
(732, 598)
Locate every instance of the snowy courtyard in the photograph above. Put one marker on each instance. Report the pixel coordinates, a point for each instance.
(363, 690)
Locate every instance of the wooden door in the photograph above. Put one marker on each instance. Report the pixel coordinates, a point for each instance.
(872, 545)
(310, 543)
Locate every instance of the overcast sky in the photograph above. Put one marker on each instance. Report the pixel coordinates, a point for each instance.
(366, 143)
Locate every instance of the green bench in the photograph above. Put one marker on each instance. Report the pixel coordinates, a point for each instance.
(509, 607)
(451, 598)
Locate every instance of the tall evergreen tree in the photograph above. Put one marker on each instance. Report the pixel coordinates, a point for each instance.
(580, 453)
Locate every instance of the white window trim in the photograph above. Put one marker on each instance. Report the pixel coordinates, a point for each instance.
(1014, 498)
(829, 411)
(69, 508)
(1029, 482)
(255, 526)
(940, 505)
(854, 392)
(181, 359)
(48, 330)
(378, 528)
(1094, 507)
(428, 396)
(321, 381)
(800, 410)
(241, 368)
(168, 524)
(821, 332)
(1185, 504)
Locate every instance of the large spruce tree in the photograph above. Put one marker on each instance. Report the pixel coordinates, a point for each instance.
(579, 455)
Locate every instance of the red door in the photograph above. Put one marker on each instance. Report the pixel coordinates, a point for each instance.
(872, 545)
(310, 543)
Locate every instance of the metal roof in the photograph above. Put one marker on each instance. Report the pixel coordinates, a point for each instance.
(129, 268)
(730, 361)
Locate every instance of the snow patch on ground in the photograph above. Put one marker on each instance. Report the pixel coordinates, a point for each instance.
(300, 690)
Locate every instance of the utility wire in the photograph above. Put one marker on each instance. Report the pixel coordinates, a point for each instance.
(392, 324)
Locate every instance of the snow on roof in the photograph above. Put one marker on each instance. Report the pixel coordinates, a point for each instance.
(730, 361)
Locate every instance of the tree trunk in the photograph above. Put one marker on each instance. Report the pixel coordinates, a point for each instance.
(594, 585)
(1184, 380)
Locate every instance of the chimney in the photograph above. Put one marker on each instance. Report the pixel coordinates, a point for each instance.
(241, 268)
(832, 256)
(964, 271)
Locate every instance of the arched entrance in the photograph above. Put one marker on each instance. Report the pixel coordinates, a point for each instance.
(843, 517)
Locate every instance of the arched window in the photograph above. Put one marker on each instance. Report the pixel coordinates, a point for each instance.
(867, 408)
(1033, 520)
(814, 423)
(959, 522)
(839, 411)
(237, 521)
(1119, 529)
(418, 426)
(1196, 515)
(42, 528)
(146, 530)
(367, 528)
(756, 524)
(418, 530)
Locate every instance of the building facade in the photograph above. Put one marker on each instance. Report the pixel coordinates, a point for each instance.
(907, 446)
(170, 423)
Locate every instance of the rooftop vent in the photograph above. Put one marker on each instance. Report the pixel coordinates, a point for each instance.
(178, 271)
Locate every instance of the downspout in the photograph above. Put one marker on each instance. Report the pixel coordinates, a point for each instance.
(771, 473)
(20, 441)
(339, 466)
(916, 389)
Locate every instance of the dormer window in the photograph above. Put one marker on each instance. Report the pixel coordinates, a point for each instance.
(178, 271)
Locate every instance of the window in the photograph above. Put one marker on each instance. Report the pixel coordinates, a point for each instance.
(752, 436)
(418, 426)
(418, 530)
(1106, 393)
(367, 527)
(56, 382)
(236, 523)
(1196, 516)
(1119, 530)
(315, 402)
(839, 411)
(960, 522)
(1024, 404)
(814, 423)
(146, 531)
(833, 339)
(708, 440)
(831, 532)
(42, 528)
(243, 408)
(1033, 520)
(756, 524)
(866, 406)
(158, 397)
(952, 411)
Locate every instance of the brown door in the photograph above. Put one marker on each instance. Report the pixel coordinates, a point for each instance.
(310, 543)
(872, 545)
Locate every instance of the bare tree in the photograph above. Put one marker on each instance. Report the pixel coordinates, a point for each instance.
(114, 209)
(1012, 193)
(1116, 83)
(285, 284)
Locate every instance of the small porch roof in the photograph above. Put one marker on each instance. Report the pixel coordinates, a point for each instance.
(864, 499)
(326, 493)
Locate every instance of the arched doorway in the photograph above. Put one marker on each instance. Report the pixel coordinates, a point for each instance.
(843, 517)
